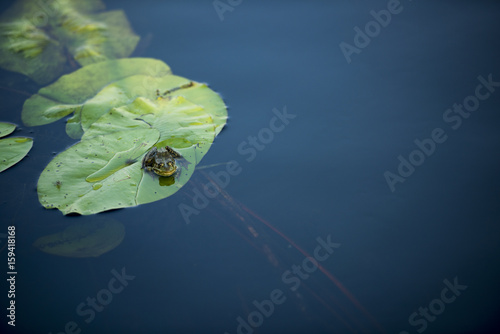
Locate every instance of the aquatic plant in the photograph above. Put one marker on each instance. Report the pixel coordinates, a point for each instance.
(13, 149)
(74, 91)
(121, 114)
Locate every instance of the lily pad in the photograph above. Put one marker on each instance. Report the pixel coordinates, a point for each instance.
(63, 183)
(6, 129)
(103, 171)
(37, 35)
(86, 239)
(70, 92)
(14, 149)
(121, 109)
(125, 91)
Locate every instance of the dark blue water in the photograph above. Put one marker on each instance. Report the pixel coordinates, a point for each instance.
(431, 246)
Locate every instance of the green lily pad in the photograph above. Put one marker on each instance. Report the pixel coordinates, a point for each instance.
(63, 183)
(70, 92)
(13, 149)
(121, 109)
(6, 129)
(103, 171)
(37, 35)
(125, 91)
(83, 239)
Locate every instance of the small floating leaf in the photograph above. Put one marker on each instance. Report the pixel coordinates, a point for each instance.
(13, 149)
(86, 239)
(6, 129)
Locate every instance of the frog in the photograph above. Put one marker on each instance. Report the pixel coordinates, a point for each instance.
(161, 161)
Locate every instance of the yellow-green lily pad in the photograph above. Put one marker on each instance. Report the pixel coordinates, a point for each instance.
(167, 87)
(63, 183)
(13, 149)
(104, 170)
(121, 109)
(37, 35)
(83, 239)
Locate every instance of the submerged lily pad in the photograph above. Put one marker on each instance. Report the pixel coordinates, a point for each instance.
(36, 36)
(14, 149)
(87, 239)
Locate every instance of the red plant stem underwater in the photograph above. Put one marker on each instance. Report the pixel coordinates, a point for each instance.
(235, 206)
